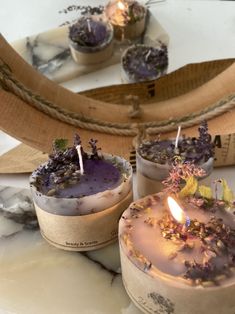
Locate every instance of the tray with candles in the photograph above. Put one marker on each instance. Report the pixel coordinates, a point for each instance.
(97, 39)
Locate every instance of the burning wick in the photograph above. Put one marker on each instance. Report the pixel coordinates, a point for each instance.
(78, 148)
(121, 5)
(177, 212)
(89, 25)
(177, 136)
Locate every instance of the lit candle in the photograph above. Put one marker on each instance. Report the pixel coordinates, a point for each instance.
(177, 212)
(91, 40)
(76, 191)
(155, 158)
(127, 17)
(175, 268)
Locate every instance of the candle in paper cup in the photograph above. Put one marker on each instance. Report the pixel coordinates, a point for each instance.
(143, 63)
(91, 40)
(77, 193)
(127, 17)
(154, 159)
(177, 252)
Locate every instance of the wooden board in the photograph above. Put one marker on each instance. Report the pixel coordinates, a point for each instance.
(21, 159)
(193, 88)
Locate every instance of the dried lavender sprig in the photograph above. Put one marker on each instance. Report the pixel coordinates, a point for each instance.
(84, 10)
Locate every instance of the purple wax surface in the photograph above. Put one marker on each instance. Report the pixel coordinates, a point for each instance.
(143, 62)
(99, 175)
(191, 149)
(88, 32)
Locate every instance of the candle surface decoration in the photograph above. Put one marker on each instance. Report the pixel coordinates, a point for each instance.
(141, 63)
(197, 150)
(127, 17)
(154, 158)
(156, 235)
(105, 179)
(62, 177)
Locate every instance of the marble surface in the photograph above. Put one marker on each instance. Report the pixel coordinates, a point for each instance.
(38, 278)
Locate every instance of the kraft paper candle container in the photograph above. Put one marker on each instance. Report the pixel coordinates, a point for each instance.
(127, 17)
(154, 159)
(143, 63)
(91, 40)
(78, 205)
(177, 253)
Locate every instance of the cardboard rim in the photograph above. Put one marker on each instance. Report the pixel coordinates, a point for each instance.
(82, 233)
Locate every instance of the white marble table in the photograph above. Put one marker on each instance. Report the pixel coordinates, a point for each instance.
(35, 277)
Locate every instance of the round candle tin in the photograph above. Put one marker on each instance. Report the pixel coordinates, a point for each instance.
(84, 223)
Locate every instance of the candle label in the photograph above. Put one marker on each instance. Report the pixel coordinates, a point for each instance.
(161, 305)
(165, 305)
(85, 232)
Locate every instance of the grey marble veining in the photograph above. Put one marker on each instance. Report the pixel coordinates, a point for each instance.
(49, 52)
(37, 278)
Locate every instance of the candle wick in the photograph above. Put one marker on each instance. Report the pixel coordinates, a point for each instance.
(78, 148)
(89, 25)
(147, 55)
(177, 136)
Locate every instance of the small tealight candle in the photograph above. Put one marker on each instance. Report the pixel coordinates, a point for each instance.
(127, 17)
(177, 256)
(77, 193)
(155, 158)
(91, 40)
(143, 63)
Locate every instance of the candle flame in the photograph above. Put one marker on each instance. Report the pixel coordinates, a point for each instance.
(177, 212)
(121, 5)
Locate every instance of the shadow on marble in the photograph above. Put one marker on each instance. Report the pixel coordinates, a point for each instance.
(38, 278)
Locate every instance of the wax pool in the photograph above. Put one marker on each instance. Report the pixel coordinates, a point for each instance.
(99, 175)
(149, 238)
(105, 182)
(142, 63)
(91, 40)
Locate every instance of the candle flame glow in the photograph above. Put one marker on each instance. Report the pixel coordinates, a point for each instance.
(177, 212)
(121, 5)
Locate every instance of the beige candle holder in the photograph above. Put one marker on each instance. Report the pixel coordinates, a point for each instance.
(125, 30)
(129, 31)
(86, 223)
(82, 233)
(133, 75)
(153, 291)
(150, 175)
(85, 55)
(165, 294)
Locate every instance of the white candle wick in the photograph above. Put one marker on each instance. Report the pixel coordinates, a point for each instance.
(147, 55)
(177, 136)
(78, 148)
(89, 25)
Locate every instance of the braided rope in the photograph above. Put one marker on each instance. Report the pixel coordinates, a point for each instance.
(11, 84)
